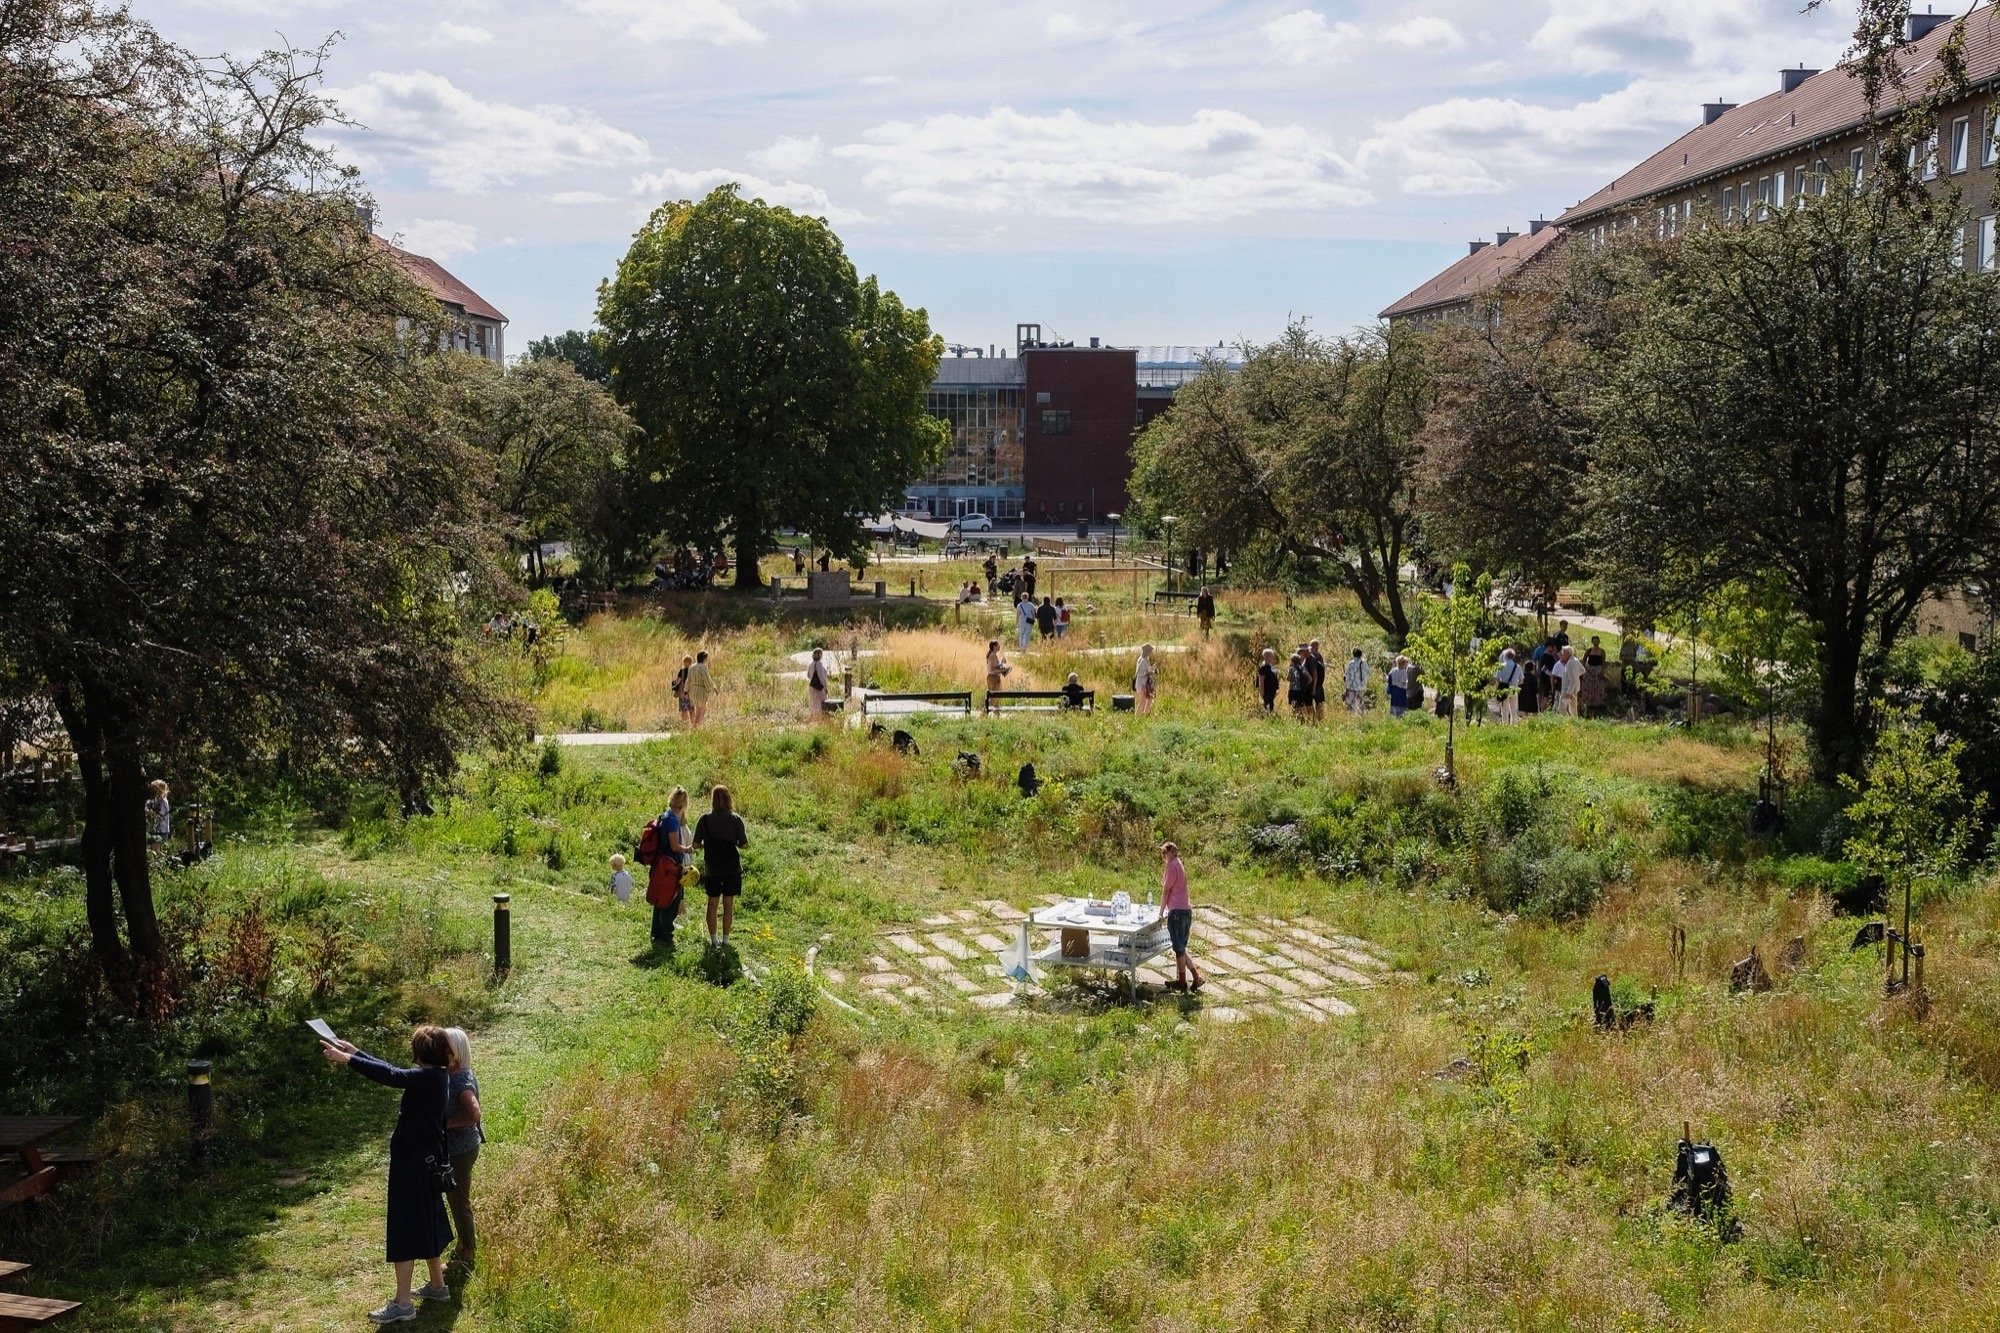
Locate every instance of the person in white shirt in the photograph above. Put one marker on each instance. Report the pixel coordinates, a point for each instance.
(817, 678)
(1507, 678)
(621, 879)
(1354, 686)
(1024, 620)
(1568, 673)
(1143, 680)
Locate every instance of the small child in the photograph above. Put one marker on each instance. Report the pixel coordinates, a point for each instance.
(621, 879)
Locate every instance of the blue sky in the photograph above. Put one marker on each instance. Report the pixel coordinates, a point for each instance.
(1146, 171)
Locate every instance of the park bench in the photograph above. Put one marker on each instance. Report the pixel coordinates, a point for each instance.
(1036, 701)
(36, 1168)
(1185, 599)
(25, 1312)
(919, 702)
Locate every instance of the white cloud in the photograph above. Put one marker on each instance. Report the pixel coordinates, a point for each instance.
(470, 34)
(572, 198)
(1218, 164)
(438, 238)
(717, 22)
(1426, 32)
(790, 153)
(1304, 37)
(879, 80)
(798, 196)
(1680, 36)
(1070, 28)
(1485, 145)
(470, 145)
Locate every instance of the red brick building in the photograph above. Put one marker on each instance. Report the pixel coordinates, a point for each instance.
(1082, 408)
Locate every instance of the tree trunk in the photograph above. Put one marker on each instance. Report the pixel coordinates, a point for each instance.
(130, 866)
(749, 548)
(1837, 727)
(95, 843)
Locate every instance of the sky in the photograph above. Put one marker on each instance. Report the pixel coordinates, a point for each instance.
(1144, 171)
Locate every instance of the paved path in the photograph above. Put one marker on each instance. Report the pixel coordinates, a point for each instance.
(585, 739)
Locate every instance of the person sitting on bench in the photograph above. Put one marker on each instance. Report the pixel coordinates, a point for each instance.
(1073, 693)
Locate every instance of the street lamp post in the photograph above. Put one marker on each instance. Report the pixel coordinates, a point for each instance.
(1167, 521)
(1114, 516)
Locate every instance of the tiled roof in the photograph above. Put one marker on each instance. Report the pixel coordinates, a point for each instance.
(1826, 106)
(1476, 274)
(434, 278)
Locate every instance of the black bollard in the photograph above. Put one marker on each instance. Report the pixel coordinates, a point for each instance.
(503, 941)
(201, 1112)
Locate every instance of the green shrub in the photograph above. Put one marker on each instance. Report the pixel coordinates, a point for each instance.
(1539, 846)
(1813, 874)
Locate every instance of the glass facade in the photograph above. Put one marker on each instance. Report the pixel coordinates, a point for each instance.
(981, 472)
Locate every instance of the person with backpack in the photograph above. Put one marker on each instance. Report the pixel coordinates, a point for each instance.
(721, 837)
(1507, 680)
(663, 851)
(817, 680)
(1298, 686)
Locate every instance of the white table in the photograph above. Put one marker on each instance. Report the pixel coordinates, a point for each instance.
(1119, 941)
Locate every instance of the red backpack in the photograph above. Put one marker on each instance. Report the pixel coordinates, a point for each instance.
(663, 885)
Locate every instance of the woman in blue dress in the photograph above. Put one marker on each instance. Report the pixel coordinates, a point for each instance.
(418, 1228)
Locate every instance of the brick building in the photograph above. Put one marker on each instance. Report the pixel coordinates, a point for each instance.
(476, 326)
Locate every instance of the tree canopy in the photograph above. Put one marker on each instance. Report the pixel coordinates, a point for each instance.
(238, 529)
(584, 351)
(774, 387)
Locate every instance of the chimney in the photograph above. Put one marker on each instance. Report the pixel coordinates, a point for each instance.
(1921, 24)
(366, 212)
(1477, 246)
(1093, 342)
(1502, 237)
(1788, 79)
(1535, 227)
(1714, 111)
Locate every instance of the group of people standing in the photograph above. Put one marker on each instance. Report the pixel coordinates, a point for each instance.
(667, 851)
(693, 689)
(432, 1151)
(1304, 681)
(1552, 678)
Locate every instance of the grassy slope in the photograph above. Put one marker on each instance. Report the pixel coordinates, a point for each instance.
(1128, 1168)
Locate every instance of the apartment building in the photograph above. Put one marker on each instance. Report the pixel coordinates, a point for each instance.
(476, 326)
(1815, 129)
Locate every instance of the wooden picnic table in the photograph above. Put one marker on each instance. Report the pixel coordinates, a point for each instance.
(23, 1136)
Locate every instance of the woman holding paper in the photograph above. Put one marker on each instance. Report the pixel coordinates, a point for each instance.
(417, 1227)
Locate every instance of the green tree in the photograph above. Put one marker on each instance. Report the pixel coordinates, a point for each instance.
(1448, 646)
(237, 530)
(1812, 398)
(1309, 449)
(774, 388)
(584, 351)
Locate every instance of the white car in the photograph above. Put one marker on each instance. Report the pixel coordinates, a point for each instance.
(975, 523)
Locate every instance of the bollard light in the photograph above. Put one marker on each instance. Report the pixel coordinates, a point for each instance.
(503, 943)
(201, 1112)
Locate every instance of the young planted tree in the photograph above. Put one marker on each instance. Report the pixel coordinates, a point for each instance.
(1447, 645)
(1814, 399)
(237, 530)
(774, 387)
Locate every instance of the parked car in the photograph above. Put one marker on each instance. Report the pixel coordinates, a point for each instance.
(975, 523)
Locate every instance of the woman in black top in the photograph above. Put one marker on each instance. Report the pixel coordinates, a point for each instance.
(1267, 679)
(417, 1227)
(719, 835)
(1045, 616)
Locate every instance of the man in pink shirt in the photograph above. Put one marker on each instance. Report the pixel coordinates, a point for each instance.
(1178, 912)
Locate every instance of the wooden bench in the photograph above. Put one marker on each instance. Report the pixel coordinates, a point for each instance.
(1186, 599)
(26, 1312)
(919, 702)
(1037, 701)
(11, 1268)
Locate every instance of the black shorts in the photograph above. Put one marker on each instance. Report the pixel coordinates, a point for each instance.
(722, 886)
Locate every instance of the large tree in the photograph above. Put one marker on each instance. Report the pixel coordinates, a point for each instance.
(1815, 399)
(774, 387)
(583, 350)
(236, 530)
(1310, 449)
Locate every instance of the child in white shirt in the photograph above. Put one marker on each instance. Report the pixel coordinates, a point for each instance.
(621, 879)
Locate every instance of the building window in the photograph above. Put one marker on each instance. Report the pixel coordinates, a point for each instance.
(1857, 166)
(1798, 184)
(1729, 203)
(1055, 423)
(1961, 144)
(1925, 165)
(1969, 642)
(1983, 244)
(1989, 153)
(1778, 190)
(1042, 399)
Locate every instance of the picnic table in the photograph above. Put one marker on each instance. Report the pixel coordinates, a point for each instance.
(1112, 939)
(23, 1136)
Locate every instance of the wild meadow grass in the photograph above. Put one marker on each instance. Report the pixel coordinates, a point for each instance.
(1465, 1153)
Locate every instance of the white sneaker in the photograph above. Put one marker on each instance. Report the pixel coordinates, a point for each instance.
(393, 1313)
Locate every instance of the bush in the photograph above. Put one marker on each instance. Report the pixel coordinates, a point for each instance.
(1539, 846)
(1813, 874)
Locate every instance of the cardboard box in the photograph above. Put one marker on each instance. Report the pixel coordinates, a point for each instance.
(1075, 942)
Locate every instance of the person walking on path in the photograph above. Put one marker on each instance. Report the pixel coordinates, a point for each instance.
(1204, 611)
(1354, 685)
(416, 1225)
(817, 679)
(1177, 910)
(159, 813)
(1144, 680)
(1045, 617)
(1024, 619)
(721, 837)
(997, 667)
(1399, 686)
(1316, 664)
(463, 1133)
(683, 705)
(700, 688)
(1267, 679)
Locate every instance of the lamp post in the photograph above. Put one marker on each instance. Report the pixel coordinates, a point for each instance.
(1167, 521)
(1114, 516)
